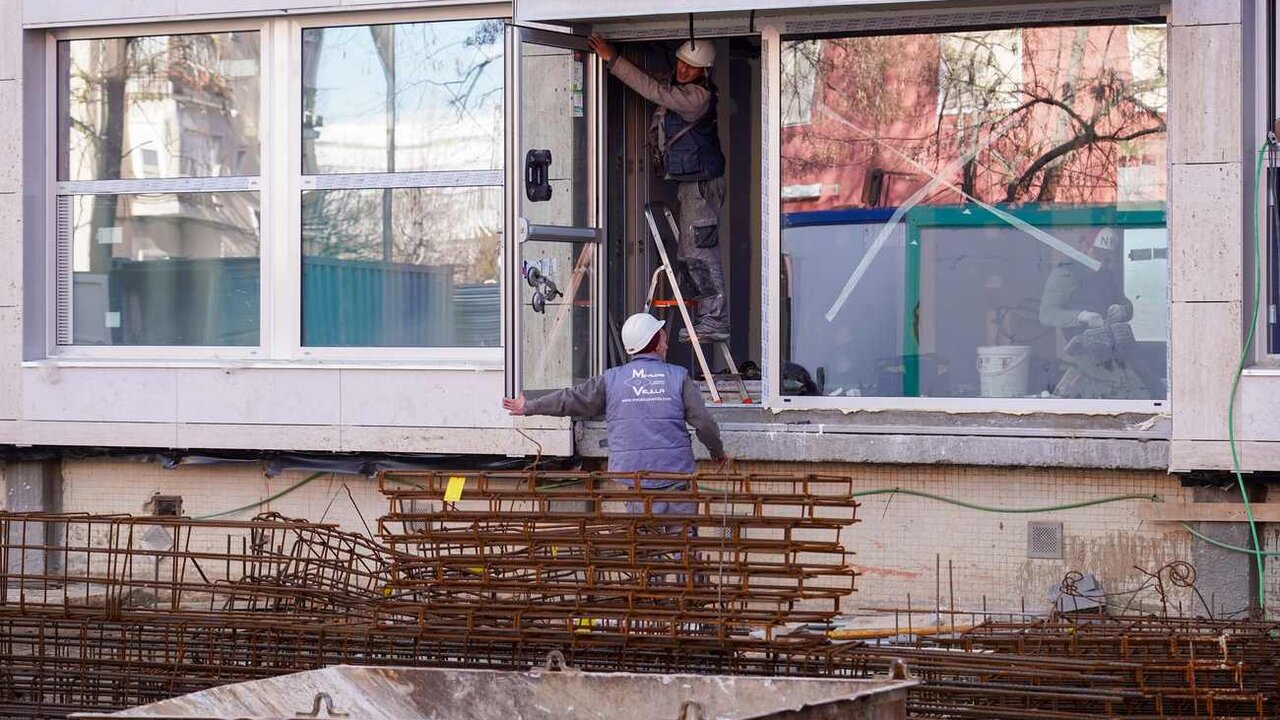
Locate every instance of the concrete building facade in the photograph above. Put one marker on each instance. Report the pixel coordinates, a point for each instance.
(215, 219)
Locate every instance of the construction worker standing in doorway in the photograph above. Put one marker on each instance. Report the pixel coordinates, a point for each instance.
(686, 138)
(647, 403)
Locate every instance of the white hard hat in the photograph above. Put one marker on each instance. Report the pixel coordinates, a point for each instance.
(698, 53)
(638, 330)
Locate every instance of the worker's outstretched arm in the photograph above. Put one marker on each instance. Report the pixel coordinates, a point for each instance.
(690, 101)
(704, 426)
(585, 400)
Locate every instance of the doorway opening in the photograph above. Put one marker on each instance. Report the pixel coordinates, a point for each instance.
(633, 181)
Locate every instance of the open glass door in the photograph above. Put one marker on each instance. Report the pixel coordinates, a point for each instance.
(553, 232)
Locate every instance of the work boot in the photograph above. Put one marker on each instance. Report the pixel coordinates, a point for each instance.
(706, 333)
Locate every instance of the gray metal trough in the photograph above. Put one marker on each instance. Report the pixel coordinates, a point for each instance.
(366, 693)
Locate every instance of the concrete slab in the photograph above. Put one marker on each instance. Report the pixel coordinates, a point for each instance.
(423, 398)
(10, 39)
(250, 396)
(124, 395)
(1259, 412)
(1228, 576)
(1207, 339)
(489, 695)
(10, 363)
(457, 440)
(1188, 455)
(10, 249)
(104, 434)
(1204, 94)
(1260, 455)
(1205, 232)
(324, 438)
(782, 444)
(1205, 12)
(32, 486)
(11, 136)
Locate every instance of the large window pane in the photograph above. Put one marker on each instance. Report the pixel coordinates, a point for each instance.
(977, 214)
(166, 269)
(159, 106)
(400, 98)
(411, 267)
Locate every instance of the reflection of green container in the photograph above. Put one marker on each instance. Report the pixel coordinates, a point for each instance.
(186, 301)
(353, 303)
(1046, 217)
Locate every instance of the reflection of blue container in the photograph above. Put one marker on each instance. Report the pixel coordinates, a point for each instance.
(186, 301)
(479, 320)
(353, 303)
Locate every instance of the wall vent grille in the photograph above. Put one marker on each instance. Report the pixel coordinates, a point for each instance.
(63, 262)
(1044, 540)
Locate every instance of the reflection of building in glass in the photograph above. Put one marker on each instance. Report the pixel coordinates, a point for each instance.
(173, 267)
(963, 170)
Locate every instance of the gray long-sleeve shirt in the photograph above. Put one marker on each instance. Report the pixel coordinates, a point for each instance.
(690, 100)
(589, 400)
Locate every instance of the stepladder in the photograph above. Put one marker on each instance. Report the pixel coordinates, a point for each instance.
(666, 231)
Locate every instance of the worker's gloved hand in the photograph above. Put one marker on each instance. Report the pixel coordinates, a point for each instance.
(1090, 319)
(1119, 314)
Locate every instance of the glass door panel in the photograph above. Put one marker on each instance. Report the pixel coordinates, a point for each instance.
(555, 338)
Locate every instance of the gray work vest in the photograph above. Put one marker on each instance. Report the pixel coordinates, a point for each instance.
(645, 413)
(696, 155)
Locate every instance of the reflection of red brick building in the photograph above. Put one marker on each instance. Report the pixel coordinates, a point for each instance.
(1056, 114)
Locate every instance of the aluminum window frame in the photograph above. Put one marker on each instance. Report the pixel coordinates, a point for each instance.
(56, 189)
(280, 184)
(774, 32)
(290, 297)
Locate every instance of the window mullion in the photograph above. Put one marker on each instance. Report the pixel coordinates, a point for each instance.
(281, 282)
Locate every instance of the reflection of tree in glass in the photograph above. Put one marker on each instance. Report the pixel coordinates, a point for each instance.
(1068, 106)
(429, 226)
(161, 106)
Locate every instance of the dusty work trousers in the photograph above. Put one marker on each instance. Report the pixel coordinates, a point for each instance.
(699, 250)
(668, 507)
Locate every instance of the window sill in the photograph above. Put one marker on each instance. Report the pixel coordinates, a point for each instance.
(970, 406)
(230, 364)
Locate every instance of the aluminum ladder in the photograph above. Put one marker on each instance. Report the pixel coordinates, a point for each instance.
(660, 240)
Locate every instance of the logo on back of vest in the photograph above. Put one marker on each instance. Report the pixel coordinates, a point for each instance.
(645, 383)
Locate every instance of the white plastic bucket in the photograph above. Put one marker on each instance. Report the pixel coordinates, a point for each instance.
(1002, 370)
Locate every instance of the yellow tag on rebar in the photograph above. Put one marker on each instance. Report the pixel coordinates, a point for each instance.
(453, 493)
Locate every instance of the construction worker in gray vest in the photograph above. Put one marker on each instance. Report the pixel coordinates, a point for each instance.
(687, 138)
(646, 403)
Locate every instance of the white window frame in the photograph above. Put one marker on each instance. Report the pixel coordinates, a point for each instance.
(772, 38)
(55, 188)
(280, 184)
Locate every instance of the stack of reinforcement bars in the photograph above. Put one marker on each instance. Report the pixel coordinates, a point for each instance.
(1074, 668)
(522, 556)
(103, 612)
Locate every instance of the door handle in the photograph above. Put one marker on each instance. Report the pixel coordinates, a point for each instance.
(537, 182)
